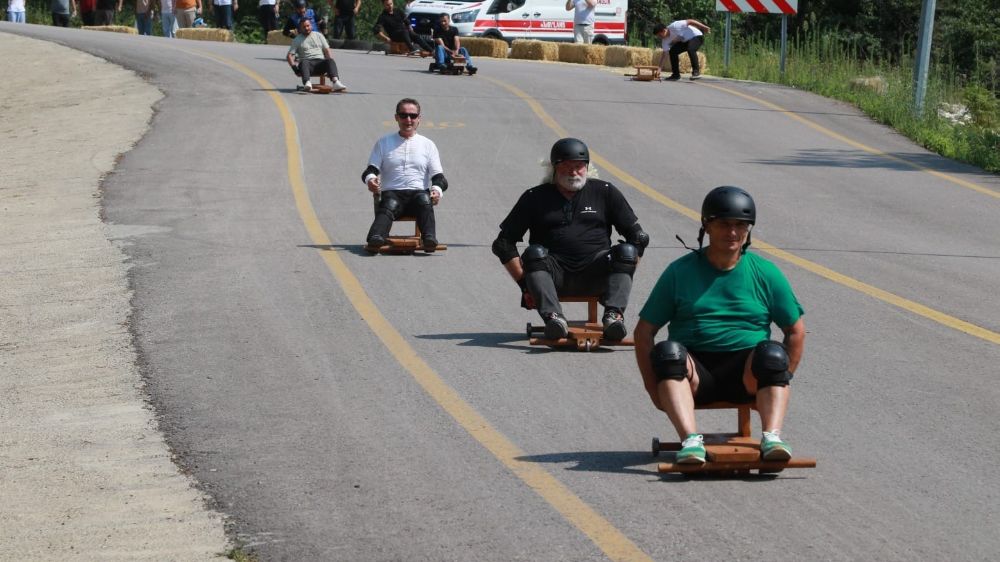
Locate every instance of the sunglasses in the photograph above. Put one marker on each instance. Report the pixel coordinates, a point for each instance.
(410, 115)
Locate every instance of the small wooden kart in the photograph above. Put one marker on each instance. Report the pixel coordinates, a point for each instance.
(399, 48)
(321, 88)
(583, 335)
(646, 73)
(453, 65)
(402, 244)
(729, 453)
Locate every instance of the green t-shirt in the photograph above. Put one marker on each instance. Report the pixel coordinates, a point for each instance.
(309, 47)
(712, 310)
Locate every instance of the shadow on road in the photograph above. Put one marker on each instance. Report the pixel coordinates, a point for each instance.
(622, 462)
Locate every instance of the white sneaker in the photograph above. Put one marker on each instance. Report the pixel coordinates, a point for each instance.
(307, 87)
(338, 86)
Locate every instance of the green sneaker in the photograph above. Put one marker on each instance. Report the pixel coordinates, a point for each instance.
(692, 450)
(772, 448)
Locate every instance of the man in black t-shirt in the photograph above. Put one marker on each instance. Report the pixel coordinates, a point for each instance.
(392, 25)
(569, 246)
(448, 45)
(343, 17)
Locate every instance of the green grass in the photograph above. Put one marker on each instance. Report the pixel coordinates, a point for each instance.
(820, 66)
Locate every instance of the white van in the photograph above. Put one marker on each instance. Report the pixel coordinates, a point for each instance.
(545, 20)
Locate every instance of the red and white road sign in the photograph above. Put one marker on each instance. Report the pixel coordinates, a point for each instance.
(787, 7)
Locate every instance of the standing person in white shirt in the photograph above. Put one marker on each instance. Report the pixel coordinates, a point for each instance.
(404, 171)
(267, 15)
(680, 36)
(224, 10)
(15, 11)
(168, 20)
(583, 19)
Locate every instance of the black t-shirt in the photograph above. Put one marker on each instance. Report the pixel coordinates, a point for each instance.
(573, 230)
(106, 4)
(345, 7)
(447, 37)
(393, 24)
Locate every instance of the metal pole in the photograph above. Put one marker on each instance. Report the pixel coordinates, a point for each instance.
(784, 41)
(728, 42)
(923, 55)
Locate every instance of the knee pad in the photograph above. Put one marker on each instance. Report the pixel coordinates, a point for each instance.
(390, 206)
(770, 364)
(423, 199)
(624, 258)
(670, 361)
(535, 258)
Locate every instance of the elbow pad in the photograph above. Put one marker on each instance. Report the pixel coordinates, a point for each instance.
(504, 249)
(368, 171)
(440, 181)
(637, 237)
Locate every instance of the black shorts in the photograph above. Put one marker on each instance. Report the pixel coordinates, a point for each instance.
(720, 376)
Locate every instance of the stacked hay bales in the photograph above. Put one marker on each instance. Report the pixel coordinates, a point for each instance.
(485, 47)
(112, 28)
(276, 37)
(534, 50)
(628, 56)
(205, 34)
(580, 53)
(685, 62)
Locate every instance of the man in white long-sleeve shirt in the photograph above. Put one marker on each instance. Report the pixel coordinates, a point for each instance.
(405, 171)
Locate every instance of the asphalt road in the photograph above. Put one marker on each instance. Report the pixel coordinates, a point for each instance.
(405, 417)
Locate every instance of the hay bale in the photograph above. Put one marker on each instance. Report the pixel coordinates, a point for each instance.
(128, 29)
(205, 34)
(485, 47)
(534, 50)
(276, 37)
(685, 62)
(580, 53)
(628, 56)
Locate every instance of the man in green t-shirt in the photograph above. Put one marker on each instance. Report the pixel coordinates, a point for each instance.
(309, 55)
(719, 303)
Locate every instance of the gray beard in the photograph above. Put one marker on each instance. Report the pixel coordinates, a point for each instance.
(571, 183)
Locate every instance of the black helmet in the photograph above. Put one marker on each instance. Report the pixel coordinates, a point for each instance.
(728, 202)
(297, 4)
(569, 149)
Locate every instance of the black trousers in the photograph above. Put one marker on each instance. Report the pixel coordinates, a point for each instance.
(410, 37)
(60, 20)
(317, 67)
(267, 18)
(409, 205)
(691, 47)
(342, 24)
(597, 279)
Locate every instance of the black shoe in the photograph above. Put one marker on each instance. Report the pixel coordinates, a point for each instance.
(471, 70)
(672, 77)
(376, 241)
(556, 327)
(695, 75)
(430, 243)
(614, 325)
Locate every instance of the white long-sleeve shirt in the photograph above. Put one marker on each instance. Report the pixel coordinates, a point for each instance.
(405, 163)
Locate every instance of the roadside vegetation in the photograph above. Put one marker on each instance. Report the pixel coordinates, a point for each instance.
(858, 51)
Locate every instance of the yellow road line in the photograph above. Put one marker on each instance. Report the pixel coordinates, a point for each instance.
(816, 126)
(820, 270)
(609, 539)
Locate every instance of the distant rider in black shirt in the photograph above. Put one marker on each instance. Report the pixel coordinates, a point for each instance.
(392, 25)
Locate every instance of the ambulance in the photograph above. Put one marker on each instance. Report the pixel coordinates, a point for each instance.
(544, 20)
